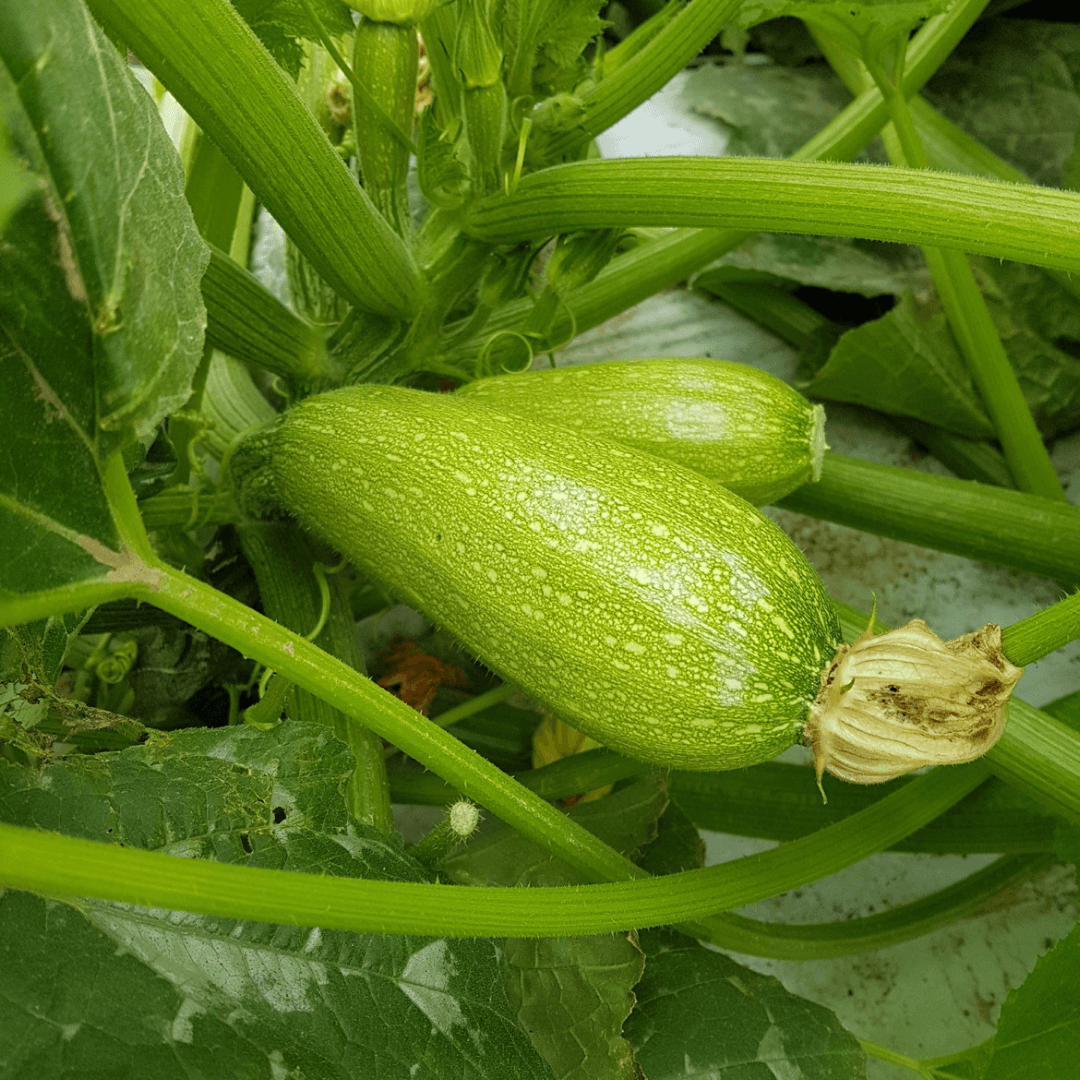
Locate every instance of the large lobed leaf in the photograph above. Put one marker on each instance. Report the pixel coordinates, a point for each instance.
(701, 1014)
(101, 317)
(146, 993)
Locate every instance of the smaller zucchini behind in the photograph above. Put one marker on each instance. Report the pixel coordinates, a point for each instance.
(736, 424)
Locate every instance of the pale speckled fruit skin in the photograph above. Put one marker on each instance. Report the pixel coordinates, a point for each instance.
(641, 602)
(734, 423)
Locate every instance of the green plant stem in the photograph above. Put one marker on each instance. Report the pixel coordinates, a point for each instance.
(774, 801)
(645, 31)
(975, 333)
(63, 866)
(952, 150)
(651, 267)
(978, 521)
(1036, 753)
(232, 404)
(185, 509)
(220, 73)
(644, 73)
(823, 940)
(285, 567)
(474, 705)
(267, 710)
(1031, 639)
(1033, 225)
(893, 1057)
(246, 320)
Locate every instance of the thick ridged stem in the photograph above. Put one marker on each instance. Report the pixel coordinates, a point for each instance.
(1040, 226)
(978, 521)
(246, 320)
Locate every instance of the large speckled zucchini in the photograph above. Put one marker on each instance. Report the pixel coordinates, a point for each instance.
(641, 602)
(739, 426)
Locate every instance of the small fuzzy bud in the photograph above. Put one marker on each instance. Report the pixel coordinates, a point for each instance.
(456, 827)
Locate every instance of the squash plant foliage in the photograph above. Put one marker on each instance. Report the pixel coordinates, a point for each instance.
(201, 872)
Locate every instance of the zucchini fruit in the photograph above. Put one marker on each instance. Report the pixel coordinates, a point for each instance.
(641, 602)
(735, 424)
(651, 608)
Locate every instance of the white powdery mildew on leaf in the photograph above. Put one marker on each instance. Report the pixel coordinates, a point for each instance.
(772, 1053)
(182, 1029)
(425, 981)
(213, 971)
(285, 983)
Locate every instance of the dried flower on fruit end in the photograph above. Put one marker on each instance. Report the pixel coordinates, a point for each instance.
(905, 699)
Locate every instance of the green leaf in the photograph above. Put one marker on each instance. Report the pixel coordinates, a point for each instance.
(1038, 320)
(1014, 84)
(569, 27)
(281, 25)
(863, 27)
(907, 364)
(170, 995)
(113, 312)
(831, 262)
(1038, 1035)
(678, 845)
(701, 1014)
(768, 110)
(15, 182)
(572, 994)
(101, 317)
